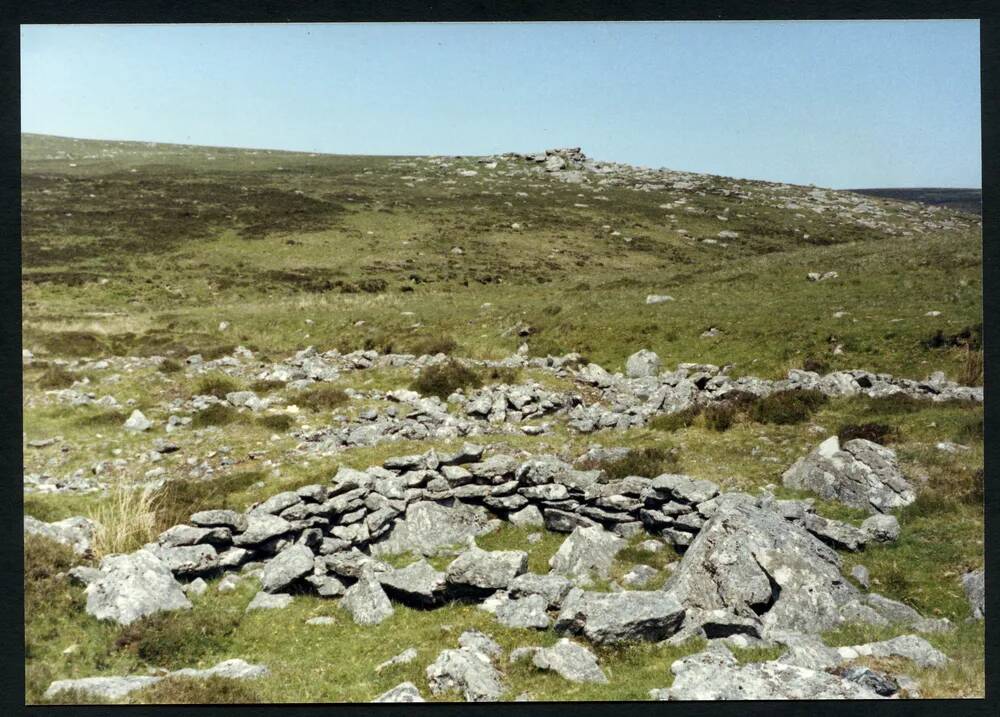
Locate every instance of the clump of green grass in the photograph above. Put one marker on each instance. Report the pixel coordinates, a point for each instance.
(180, 639)
(277, 422)
(322, 398)
(56, 377)
(880, 433)
(670, 422)
(787, 407)
(127, 520)
(746, 655)
(216, 384)
(895, 404)
(445, 378)
(218, 414)
(649, 462)
(433, 345)
(212, 691)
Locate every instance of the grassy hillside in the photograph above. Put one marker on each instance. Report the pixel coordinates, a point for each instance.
(134, 249)
(144, 248)
(966, 200)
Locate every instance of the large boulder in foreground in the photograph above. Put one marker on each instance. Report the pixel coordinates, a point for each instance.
(76, 532)
(479, 573)
(611, 618)
(428, 528)
(749, 562)
(716, 675)
(860, 474)
(133, 586)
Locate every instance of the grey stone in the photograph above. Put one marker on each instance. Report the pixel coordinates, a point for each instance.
(835, 533)
(187, 560)
(76, 532)
(196, 587)
(716, 675)
(878, 682)
(478, 572)
(974, 585)
(403, 692)
(105, 688)
(277, 503)
(220, 519)
(881, 528)
(480, 642)
(468, 671)
(428, 528)
(910, 647)
(642, 363)
(610, 618)
(134, 586)
(861, 574)
(416, 584)
(752, 562)
(367, 601)
(684, 488)
(269, 601)
(235, 669)
(571, 661)
(562, 521)
(528, 611)
(84, 574)
(639, 576)
(137, 422)
(286, 567)
(587, 551)
(860, 474)
(552, 587)
(405, 657)
(261, 528)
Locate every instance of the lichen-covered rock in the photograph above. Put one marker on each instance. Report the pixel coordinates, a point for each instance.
(77, 532)
(642, 363)
(611, 618)
(269, 601)
(366, 600)
(260, 528)
(403, 692)
(571, 661)
(416, 584)
(286, 567)
(552, 587)
(133, 586)
(750, 561)
(526, 612)
(974, 584)
(428, 528)
(910, 647)
(468, 670)
(478, 572)
(860, 474)
(587, 551)
(716, 675)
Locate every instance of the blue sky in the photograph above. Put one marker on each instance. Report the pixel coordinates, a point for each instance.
(836, 104)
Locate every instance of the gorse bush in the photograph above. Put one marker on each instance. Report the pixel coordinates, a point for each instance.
(217, 385)
(56, 377)
(785, 407)
(218, 414)
(648, 462)
(444, 379)
(278, 422)
(322, 398)
(670, 422)
(169, 365)
(433, 345)
(875, 432)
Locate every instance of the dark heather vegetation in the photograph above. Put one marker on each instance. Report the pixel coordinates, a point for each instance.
(444, 379)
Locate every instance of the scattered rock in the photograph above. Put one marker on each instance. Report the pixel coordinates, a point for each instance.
(133, 586)
(269, 601)
(571, 661)
(403, 692)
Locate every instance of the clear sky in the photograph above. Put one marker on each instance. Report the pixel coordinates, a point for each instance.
(836, 104)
